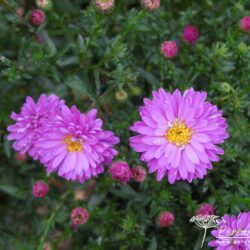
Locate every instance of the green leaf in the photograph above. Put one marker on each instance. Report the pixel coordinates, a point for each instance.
(79, 86)
(97, 82)
(151, 79)
(95, 200)
(126, 192)
(152, 244)
(50, 46)
(7, 147)
(12, 191)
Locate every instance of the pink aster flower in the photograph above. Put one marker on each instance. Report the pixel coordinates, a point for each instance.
(233, 233)
(120, 171)
(76, 146)
(40, 189)
(245, 23)
(79, 216)
(190, 34)
(37, 17)
(178, 134)
(206, 209)
(104, 5)
(32, 122)
(151, 5)
(169, 49)
(166, 219)
(138, 174)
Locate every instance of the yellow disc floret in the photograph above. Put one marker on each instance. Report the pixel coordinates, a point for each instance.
(179, 134)
(73, 145)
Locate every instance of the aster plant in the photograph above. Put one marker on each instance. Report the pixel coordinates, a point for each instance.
(75, 145)
(178, 134)
(206, 222)
(93, 61)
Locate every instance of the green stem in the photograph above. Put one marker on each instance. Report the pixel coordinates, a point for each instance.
(204, 236)
(51, 220)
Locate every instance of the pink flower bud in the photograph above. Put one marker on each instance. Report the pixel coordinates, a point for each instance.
(138, 173)
(205, 209)
(120, 171)
(190, 34)
(169, 49)
(79, 216)
(37, 17)
(151, 5)
(40, 189)
(166, 219)
(245, 23)
(104, 5)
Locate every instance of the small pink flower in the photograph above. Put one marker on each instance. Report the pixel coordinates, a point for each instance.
(166, 219)
(190, 34)
(206, 209)
(245, 23)
(169, 49)
(37, 17)
(138, 173)
(120, 171)
(151, 5)
(79, 216)
(40, 189)
(104, 5)
(20, 157)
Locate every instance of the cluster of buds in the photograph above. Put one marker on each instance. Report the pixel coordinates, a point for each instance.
(120, 171)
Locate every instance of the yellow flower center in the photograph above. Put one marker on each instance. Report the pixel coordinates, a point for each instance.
(73, 146)
(179, 134)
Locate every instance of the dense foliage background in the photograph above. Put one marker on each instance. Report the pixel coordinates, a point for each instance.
(86, 58)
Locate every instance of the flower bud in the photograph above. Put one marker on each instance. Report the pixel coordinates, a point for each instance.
(40, 189)
(37, 17)
(245, 23)
(138, 173)
(150, 5)
(190, 34)
(169, 49)
(104, 6)
(44, 4)
(120, 171)
(205, 209)
(121, 95)
(79, 216)
(166, 219)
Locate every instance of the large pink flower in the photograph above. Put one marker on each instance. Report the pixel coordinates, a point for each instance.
(233, 233)
(178, 134)
(76, 145)
(32, 122)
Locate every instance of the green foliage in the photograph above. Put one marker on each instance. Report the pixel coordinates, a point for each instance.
(86, 58)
